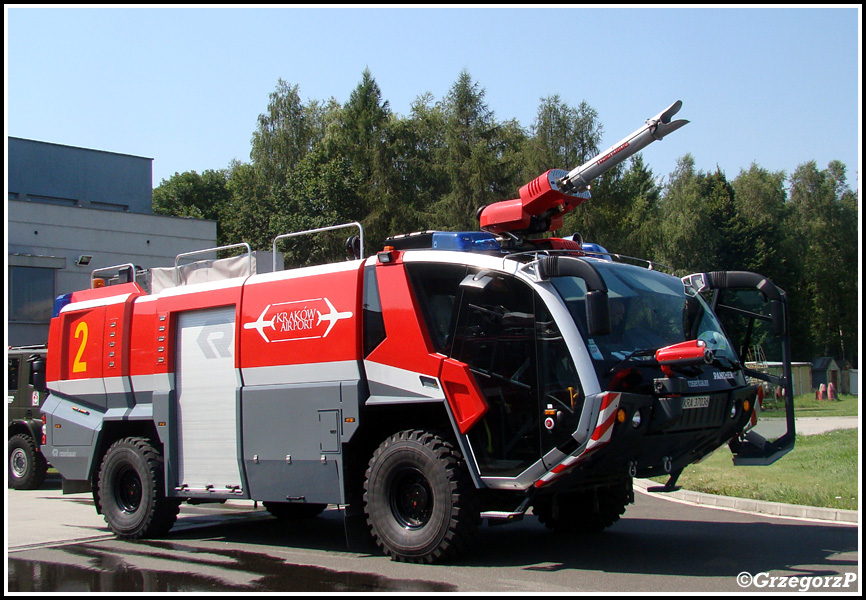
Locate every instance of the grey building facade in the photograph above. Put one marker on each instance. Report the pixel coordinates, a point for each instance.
(72, 210)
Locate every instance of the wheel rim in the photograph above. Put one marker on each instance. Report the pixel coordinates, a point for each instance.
(128, 490)
(18, 462)
(411, 499)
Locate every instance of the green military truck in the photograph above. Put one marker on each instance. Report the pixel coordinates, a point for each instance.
(27, 465)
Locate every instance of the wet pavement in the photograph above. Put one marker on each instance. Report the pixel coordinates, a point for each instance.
(93, 568)
(58, 543)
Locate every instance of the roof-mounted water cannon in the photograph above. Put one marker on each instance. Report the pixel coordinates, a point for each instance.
(655, 129)
(547, 198)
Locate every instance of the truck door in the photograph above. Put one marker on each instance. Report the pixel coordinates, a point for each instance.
(522, 365)
(754, 314)
(495, 336)
(560, 394)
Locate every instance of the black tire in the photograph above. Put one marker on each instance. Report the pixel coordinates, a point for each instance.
(132, 493)
(27, 466)
(294, 511)
(420, 502)
(588, 511)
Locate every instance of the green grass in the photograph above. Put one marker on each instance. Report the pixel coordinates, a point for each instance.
(821, 470)
(807, 406)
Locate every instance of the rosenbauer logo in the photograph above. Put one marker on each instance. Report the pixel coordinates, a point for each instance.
(297, 320)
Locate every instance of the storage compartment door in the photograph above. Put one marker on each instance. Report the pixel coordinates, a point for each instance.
(207, 400)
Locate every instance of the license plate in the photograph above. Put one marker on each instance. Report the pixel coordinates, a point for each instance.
(696, 402)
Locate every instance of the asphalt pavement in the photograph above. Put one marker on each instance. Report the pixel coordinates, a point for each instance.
(816, 425)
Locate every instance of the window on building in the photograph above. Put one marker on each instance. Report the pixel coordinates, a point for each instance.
(52, 200)
(31, 294)
(110, 206)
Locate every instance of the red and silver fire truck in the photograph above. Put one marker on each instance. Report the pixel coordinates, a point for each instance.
(450, 378)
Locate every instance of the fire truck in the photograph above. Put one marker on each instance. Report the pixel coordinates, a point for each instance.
(448, 379)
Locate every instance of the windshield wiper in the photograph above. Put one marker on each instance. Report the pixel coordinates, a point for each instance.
(635, 354)
(732, 365)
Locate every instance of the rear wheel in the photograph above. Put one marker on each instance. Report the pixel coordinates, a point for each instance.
(420, 502)
(131, 490)
(27, 466)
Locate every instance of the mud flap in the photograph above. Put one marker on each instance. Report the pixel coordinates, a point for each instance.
(358, 537)
(754, 314)
(75, 486)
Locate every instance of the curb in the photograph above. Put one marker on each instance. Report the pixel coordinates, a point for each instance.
(775, 509)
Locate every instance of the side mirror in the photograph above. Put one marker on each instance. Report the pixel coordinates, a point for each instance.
(690, 317)
(37, 372)
(597, 313)
(778, 316)
(477, 281)
(694, 284)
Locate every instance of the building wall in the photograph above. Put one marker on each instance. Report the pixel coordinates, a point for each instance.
(64, 203)
(69, 176)
(54, 237)
(801, 374)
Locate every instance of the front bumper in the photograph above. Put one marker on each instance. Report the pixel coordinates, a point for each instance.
(668, 434)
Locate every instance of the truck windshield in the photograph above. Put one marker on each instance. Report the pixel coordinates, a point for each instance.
(648, 310)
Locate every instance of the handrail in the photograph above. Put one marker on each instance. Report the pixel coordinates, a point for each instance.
(111, 268)
(238, 245)
(319, 230)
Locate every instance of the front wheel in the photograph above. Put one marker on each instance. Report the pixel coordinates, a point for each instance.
(132, 493)
(587, 511)
(420, 502)
(27, 466)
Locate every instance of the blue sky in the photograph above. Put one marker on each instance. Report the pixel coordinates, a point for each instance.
(775, 86)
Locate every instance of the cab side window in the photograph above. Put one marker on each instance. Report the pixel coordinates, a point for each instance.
(13, 374)
(437, 290)
(374, 323)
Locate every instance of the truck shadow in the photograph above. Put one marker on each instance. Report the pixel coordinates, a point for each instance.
(684, 548)
(325, 532)
(633, 545)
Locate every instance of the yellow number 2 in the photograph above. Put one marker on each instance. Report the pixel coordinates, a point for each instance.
(79, 365)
